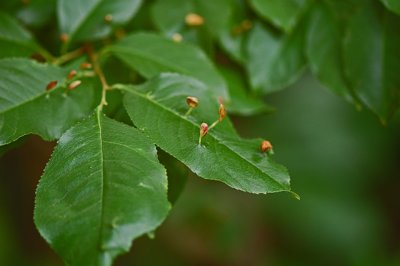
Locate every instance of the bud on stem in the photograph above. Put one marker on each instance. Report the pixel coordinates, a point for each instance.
(192, 102)
(203, 131)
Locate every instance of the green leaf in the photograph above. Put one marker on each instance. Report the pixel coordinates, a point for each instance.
(324, 49)
(242, 103)
(371, 52)
(27, 107)
(15, 41)
(169, 16)
(151, 55)
(393, 5)
(85, 20)
(156, 108)
(177, 175)
(38, 12)
(282, 13)
(274, 61)
(102, 187)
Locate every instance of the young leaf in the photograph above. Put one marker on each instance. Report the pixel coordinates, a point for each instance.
(102, 187)
(371, 52)
(15, 41)
(393, 5)
(151, 55)
(156, 108)
(27, 107)
(324, 49)
(274, 61)
(86, 20)
(283, 13)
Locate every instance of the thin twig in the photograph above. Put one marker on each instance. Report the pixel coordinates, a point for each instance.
(69, 56)
(100, 74)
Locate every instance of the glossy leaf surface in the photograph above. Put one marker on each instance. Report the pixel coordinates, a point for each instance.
(27, 107)
(371, 58)
(15, 41)
(86, 20)
(324, 49)
(274, 61)
(283, 13)
(156, 108)
(151, 55)
(102, 187)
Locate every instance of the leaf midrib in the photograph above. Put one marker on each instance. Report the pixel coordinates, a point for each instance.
(101, 233)
(132, 90)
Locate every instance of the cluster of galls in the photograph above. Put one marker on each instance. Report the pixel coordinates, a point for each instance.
(193, 102)
(71, 80)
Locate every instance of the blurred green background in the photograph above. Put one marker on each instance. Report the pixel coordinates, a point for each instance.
(343, 163)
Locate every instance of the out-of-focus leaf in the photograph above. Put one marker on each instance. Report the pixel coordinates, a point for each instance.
(233, 37)
(169, 16)
(242, 103)
(282, 13)
(324, 49)
(86, 20)
(27, 107)
(15, 41)
(274, 60)
(151, 55)
(95, 197)
(371, 58)
(156, 109)
(393, 5)
(37, 12)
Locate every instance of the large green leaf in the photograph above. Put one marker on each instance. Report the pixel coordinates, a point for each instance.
(37, 12)
(283, 13)
(151, 55)
(102, 187)
(85, 20)
(372, 58)
(26, 107)
(274, 61)
(324, 49)
(157, 108)
(393, 5)
(15, 41)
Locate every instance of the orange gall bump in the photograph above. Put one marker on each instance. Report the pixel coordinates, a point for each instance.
(221, 111)
(203, 129)
(108, 18)
(193, 102)
(71, 74)
(193, 19)
(177, 37)
(74, 84)
(86, 65)
(52, 84)
(266, 146)
(246, 24)
(64, 37)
